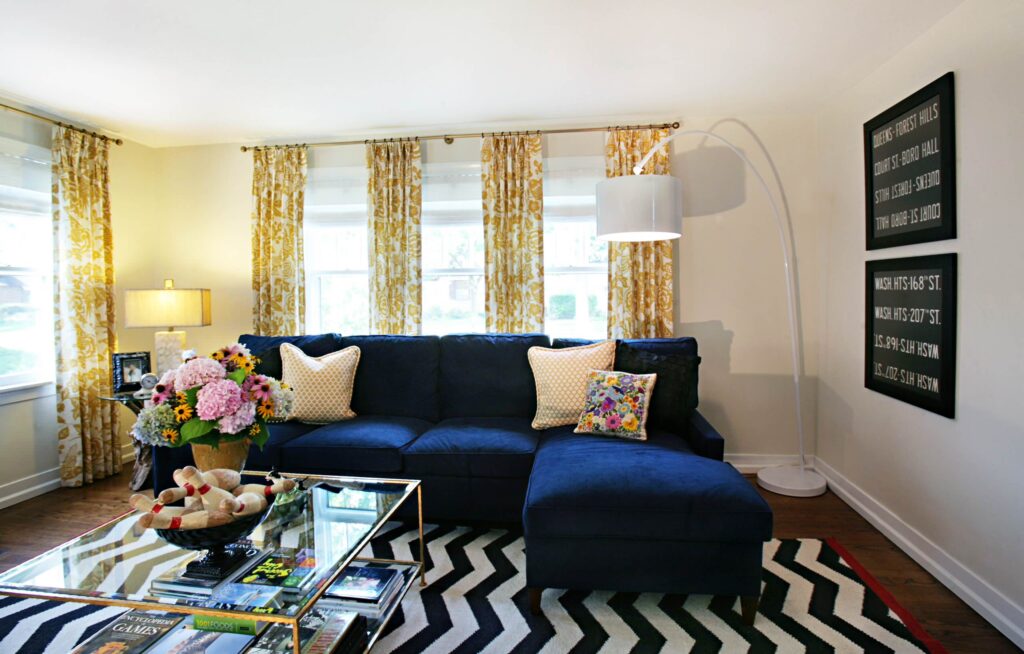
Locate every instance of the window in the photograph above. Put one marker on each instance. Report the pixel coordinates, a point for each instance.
(454, 296)
(575, 262)
(453, 249)
(26, 259)
(335, 245)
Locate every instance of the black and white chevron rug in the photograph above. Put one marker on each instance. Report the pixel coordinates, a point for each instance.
(816, 598)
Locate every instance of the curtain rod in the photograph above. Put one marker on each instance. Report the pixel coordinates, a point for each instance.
(450, 138)
(115, 141)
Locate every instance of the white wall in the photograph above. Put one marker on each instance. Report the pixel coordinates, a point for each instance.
(949, 491)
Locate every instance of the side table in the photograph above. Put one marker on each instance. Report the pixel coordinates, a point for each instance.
(141, 476)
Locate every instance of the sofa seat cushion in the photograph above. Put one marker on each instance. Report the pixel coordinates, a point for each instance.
(586, 486)
(370, 444)
(281, 433)
(474, 447)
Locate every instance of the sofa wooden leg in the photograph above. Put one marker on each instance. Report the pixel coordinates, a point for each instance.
(535, 594)
(748, 608)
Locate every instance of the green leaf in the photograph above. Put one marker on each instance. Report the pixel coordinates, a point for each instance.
(192, 396)
(261, 438)
(196, 428)
(237, 375)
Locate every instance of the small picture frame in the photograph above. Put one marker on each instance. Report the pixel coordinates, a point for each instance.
(128, 369)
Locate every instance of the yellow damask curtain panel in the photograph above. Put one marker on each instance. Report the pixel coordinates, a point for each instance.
(278, 276)
(394, 205)
(513, 203)
(639, 274)
(83, 282)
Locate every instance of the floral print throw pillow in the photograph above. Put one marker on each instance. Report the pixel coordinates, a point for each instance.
(617, 404)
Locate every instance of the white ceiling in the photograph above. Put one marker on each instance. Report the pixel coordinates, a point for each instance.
(214, 71)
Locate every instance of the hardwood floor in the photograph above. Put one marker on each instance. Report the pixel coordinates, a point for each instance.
(38, 524)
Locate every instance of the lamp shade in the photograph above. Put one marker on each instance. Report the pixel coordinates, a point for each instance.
(167, 307)
(639, 208)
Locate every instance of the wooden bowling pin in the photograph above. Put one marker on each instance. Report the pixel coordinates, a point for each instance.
(194, 520)
(221, 478)
(189, 494)
(244, 504)
(140, 502)
(267, 490)
(212, 495)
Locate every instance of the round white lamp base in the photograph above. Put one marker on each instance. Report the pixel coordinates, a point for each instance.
(791, 480)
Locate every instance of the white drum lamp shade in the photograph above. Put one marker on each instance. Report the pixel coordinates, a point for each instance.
(639, 208)
(167, 308)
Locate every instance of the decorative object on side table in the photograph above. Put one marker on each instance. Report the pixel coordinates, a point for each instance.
(218, 511)
(167, 308)
(128, 369)
(217, 404)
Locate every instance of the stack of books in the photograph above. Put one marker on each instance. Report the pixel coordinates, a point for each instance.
(367, 590)
(151, 632)
(179, 583)
(321, 631)
(292, 570)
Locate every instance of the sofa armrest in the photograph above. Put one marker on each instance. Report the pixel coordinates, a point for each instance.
(704, 439)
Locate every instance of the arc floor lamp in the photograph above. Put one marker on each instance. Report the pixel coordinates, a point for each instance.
(649, 208)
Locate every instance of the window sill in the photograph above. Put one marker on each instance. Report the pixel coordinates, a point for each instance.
(27, 392)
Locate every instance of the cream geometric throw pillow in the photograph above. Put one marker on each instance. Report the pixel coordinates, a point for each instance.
(561, 376)
(323, 385)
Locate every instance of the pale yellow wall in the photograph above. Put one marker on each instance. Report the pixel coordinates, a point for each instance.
(194, 228)
(954, 485)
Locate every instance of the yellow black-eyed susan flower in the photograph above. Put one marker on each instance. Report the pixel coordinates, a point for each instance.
(255, 429)
(247, 365)
(182, 412)
(265, 409)
(170, 435)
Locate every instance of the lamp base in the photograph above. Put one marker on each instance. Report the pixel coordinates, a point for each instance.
(168, 350)
(791, 480)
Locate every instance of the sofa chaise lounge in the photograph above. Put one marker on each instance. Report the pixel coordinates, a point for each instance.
(662, 515)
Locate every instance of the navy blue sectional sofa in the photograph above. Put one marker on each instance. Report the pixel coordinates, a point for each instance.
(665, 515)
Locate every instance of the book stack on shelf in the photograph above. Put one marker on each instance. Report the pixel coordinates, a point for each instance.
(323, 630)
(181, 582)
(368, 590)
(131, 633)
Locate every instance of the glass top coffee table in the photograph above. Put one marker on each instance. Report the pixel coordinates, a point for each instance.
(117, 563)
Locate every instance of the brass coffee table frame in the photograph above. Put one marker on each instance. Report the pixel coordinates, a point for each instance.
(293, 620)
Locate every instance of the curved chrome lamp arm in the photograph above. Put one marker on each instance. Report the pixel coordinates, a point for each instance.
(786, 256)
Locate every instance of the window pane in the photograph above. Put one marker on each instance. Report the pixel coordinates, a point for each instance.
(26, 329)
(344, 303)
(453, 303)
(453, 246)
(576, 304)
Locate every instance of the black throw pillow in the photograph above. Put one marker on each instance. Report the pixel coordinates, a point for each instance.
(675, 392)
(268, 349)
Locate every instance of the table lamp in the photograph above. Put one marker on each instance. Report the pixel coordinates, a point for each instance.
(167, 308)
(649, 208)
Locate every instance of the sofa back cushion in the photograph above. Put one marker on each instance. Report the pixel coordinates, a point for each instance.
(681, 345)
(267, 349)
(488, 375)
(675, 361)
(397, 376)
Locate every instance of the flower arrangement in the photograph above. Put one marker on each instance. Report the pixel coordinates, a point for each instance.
(213, 400)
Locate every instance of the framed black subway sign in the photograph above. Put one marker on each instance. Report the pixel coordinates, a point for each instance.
(910, 348)
(910, 169)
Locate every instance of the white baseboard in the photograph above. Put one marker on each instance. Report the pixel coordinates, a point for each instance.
(749, 464)
(28, 487)
(1005, 615)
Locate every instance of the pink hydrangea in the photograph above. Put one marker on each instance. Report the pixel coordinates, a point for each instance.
(239, 420)
(218, 399)
(198, 372)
